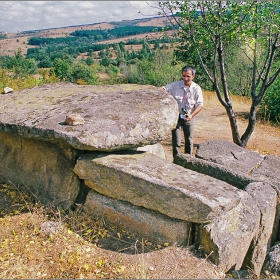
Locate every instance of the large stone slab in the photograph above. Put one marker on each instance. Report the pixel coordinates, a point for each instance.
(268, 171)
(143, 223)
(233, 162)
(44, 169)
(227, 239)
(156, 184)
(116, 116)
(260, 179)
(229, 154)
(265, 198)
(236, 178)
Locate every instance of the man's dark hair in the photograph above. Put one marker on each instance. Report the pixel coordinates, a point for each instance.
(189, 68)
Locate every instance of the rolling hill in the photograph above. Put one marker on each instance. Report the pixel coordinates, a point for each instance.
(15, 41)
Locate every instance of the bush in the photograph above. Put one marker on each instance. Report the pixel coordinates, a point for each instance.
(82, 74)
(270, 106)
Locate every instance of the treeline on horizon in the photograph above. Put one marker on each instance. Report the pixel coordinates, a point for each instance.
(96, 35)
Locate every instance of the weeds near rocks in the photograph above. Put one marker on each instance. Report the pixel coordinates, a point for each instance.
(39, 242)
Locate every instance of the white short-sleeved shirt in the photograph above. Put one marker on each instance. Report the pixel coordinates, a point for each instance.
(187, 97)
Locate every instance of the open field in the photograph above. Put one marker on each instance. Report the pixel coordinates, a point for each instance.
(16, 41)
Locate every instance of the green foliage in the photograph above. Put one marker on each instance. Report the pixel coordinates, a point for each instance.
(117, 32)
(82, 74)
(95, 35)
(38, 41)
(61, 68)
(3, 36)
(78, 72)
(89, 61)
(45, 63)
(239, 78)
(190, 58)
(234, 28)
(29, 81)
(56, 59)
(157, 70)
(112, 71)
(270, 106)
(20, 66)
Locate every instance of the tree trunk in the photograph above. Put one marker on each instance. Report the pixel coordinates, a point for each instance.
(250, 127)
(234, 128)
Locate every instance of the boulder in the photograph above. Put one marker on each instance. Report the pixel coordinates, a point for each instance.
(229, 154)
(272, 261)
(74, 119)
(265, 198)
(8, 90)
(227, 239)
(43, 169)
(139, 221)
(149, 181)
(116, 117)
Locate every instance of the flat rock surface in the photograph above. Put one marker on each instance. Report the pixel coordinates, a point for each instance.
(268, 171)
(229, 154)
(149, 181)
(115, 117)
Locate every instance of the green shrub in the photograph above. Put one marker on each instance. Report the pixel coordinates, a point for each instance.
(270, 106)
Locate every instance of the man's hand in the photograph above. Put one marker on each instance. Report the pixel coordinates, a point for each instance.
(188, 117)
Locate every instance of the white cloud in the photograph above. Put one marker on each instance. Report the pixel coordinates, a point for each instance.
(32, 15)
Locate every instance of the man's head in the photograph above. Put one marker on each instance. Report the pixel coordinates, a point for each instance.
(188, 74)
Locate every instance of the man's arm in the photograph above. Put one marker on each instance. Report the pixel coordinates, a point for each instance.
(195, 112)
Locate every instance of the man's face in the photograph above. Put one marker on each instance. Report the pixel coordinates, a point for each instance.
(187, 77)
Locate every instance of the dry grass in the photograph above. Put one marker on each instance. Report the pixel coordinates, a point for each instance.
(83, 248)
(38, 242)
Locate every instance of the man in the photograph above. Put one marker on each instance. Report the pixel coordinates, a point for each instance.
(189, 97)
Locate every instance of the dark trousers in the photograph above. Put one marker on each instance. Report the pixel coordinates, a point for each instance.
(188, 130)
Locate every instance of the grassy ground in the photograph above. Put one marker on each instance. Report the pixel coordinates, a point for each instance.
(40, 242)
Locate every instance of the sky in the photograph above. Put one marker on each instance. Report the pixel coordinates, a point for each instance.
(17, 16)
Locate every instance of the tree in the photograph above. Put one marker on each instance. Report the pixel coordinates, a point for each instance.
(157, 70)
(22, 67)
(212, 28)
(83, 74)
(61, 68)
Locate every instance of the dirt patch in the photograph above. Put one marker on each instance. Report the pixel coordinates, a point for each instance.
(213, 123)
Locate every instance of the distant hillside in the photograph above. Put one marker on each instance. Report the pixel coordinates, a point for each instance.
(15, 41)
